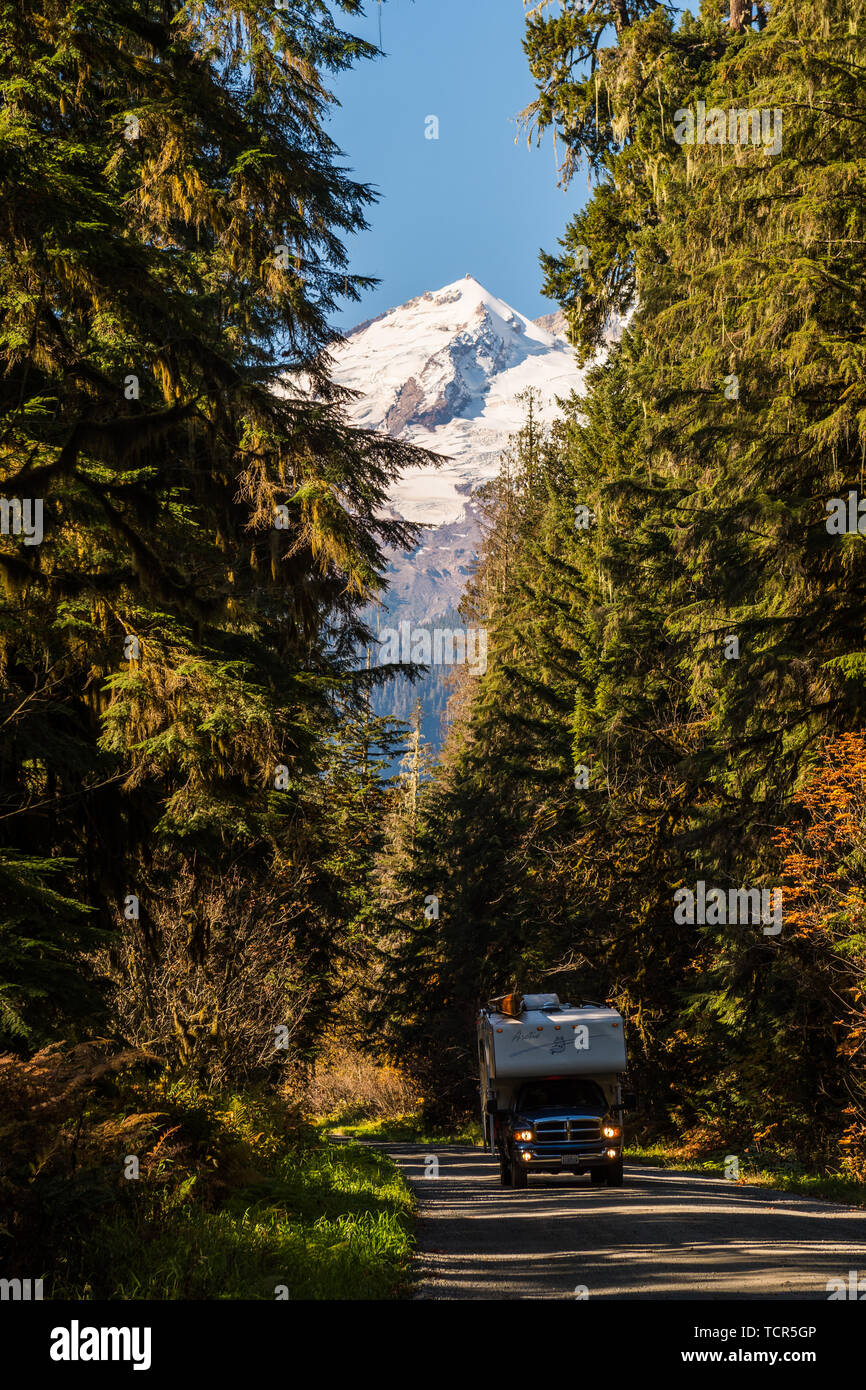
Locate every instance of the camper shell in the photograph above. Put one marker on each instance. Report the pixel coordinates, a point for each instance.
(550, 1079)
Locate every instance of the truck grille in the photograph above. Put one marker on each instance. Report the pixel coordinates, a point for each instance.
(567, 1131)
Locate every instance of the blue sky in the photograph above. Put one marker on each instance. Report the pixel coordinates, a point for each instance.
(473, 200)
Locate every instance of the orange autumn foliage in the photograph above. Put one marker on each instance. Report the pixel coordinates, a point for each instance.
(825, 905)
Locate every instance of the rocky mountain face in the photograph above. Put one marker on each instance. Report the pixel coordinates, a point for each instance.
(557, 324)
(444, 371)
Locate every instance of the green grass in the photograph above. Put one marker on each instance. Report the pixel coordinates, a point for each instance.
(783, 1175)
(403, 1129)
(244, 1209)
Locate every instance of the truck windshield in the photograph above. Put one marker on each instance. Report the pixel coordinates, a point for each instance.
(570, 1091)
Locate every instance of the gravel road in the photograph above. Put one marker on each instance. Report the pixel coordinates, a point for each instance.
(664, 1234)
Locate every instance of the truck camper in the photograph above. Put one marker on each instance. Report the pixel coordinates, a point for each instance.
(550, 1083)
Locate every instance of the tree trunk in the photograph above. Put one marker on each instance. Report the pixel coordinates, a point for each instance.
(741, 13)
(620, 16)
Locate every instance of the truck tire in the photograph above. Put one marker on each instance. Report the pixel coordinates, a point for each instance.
(504, 1171)
(597, 1176)
(613, 1174)
(519, 1176)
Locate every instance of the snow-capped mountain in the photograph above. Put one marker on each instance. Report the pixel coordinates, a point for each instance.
(444, 371)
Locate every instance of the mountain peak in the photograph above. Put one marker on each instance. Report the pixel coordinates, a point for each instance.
(443, 370)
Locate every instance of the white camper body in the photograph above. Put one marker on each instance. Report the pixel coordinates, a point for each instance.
(550, 1040)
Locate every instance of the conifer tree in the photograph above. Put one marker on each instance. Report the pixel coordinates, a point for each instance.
(178, 648)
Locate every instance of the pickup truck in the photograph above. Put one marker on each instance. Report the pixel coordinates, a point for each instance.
(550, 1084)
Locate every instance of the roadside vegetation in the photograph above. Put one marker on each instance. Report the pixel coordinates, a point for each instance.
(352, 1095)
(118, 1183)
(754, 1170)
(408, 1129)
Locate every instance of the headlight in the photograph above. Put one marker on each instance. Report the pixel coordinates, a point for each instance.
(612, 1131)
(524, 1135)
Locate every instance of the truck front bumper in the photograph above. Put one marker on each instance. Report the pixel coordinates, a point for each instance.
(567, 1156)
